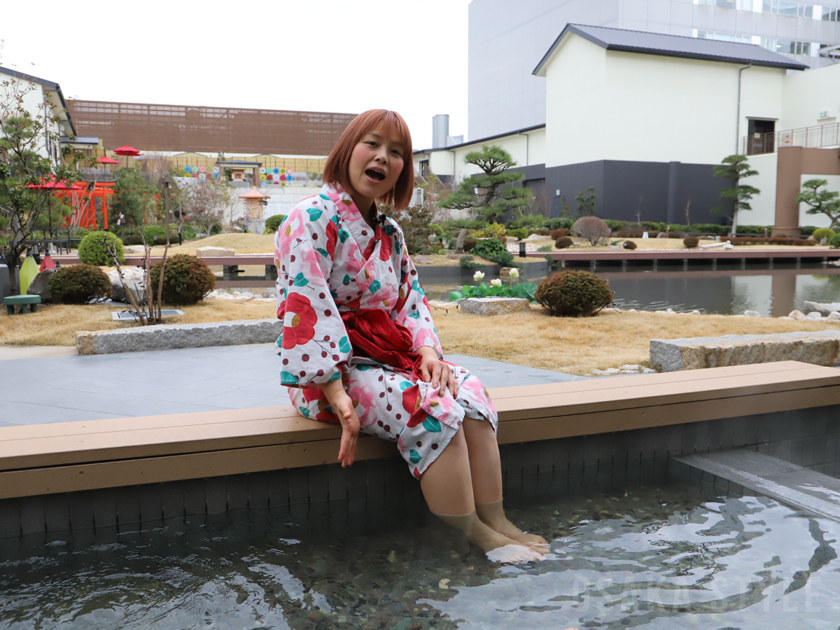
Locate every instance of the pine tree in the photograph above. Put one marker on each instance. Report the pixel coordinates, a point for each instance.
(482, 191)
(736, 168)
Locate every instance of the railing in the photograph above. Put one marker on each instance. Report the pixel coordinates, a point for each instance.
(811, 137)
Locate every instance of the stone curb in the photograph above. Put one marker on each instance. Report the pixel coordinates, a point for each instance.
(176, 336)
(672, 355)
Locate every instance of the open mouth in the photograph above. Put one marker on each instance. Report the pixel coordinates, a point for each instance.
(375, 174)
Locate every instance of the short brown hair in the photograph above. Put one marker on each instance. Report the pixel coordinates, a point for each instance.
(338, 163)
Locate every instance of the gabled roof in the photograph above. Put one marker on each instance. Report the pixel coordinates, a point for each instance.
(672, 46)
(49, 86)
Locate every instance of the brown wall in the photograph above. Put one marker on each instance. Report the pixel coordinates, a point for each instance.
(793, 162)
(150, 127)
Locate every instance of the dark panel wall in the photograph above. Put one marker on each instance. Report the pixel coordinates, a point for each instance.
(658, 190)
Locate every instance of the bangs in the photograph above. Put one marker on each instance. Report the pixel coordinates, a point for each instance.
(338, 162)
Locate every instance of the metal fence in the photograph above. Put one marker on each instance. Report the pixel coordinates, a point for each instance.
(152, 127)
(817, 137)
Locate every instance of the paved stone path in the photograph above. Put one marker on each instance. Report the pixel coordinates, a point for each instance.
(40, 385)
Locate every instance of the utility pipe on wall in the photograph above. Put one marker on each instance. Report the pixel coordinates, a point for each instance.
(738, 121)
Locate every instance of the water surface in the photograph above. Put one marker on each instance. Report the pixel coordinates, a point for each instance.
(651, 558)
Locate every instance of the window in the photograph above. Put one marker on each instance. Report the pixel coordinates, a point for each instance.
(743, 5)
(830, 15)
(788, 9)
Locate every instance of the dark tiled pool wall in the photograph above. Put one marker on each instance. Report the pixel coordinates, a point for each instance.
(560, 467)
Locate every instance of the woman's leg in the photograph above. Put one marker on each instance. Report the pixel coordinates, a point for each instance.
(486, 473)
(448, 489)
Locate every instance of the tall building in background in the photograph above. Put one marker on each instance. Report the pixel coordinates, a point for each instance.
(507, 41)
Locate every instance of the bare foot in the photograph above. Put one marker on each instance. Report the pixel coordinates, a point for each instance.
(498, 522)
(498, 547)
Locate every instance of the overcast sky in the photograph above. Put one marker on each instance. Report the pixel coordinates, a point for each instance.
(313, 55)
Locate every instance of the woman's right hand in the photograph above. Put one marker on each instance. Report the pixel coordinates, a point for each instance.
(343, 407)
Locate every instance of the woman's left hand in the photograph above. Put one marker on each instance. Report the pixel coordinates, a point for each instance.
(439, 373)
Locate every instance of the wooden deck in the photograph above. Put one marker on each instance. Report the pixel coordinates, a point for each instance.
(814, 253)
(65, 457)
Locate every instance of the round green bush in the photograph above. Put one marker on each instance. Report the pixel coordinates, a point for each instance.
(823, 233)
(133, 239)
(563, 242)
(518, 233)
(92, 249)
(690, 242)
(273, 222)
(150, 231)
(834, 241)
(186, 280)
(629, 245)
(573, 293)
(78, 284)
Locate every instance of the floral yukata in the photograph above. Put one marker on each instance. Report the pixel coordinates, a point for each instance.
(330, 261)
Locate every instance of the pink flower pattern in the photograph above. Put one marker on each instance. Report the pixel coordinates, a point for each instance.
(364, 273)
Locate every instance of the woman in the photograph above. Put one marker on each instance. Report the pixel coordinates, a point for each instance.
(359, 346)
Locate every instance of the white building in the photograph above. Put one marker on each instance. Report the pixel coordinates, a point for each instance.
(643, 118)
(507, 40)
(44, 100)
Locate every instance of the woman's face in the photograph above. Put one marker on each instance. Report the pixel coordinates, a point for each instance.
(375, 166)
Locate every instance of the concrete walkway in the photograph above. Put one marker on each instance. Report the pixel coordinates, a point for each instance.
(41, 385)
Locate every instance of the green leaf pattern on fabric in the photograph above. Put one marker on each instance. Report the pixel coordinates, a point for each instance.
(344, 344)
(287, 378)
(431, 424)
(300, 280)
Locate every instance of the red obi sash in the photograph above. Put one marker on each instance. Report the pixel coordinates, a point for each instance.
(375, 335)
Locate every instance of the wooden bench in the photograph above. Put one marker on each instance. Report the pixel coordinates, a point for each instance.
(72, 456)
(25, 302)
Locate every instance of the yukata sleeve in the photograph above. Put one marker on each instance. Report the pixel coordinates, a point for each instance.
(412, 309)
(314, 344)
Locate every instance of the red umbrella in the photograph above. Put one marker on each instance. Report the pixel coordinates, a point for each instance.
(107, 160)
(126, 151)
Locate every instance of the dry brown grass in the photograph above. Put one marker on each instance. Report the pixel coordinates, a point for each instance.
(240, 243)
(57, 324)
(579, 345)
(575, 346)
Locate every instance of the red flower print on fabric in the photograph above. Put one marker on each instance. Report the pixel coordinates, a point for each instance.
(302, 327)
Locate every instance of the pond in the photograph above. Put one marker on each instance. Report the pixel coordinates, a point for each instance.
(728, 290)
(650, 557)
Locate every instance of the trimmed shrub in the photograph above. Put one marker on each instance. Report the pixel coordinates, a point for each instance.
(593, 229)
(467, 262)
(133, 239)
(823, 233)
(273, 222)
(573, 293)
(518, 233)
(151, 231)
(493, 250)
(559, 222)
(436, 229)
(563, 242)
(834, 241)
(629, 245)
(494, 230)
(614, 225)
(691, 242)
(532, 221)
(469, 244)
(555, 234)
(92, 249)
(78, 284)
(186, 281)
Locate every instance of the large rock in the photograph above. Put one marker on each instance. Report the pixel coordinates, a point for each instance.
(38, 286)
(819, 348)
(173, 336)
(493, 305)
(133, 277)
(823, 309)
